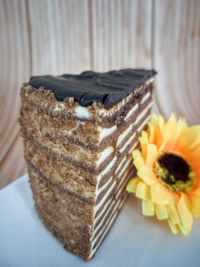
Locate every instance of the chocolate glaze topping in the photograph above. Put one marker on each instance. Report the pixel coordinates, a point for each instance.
(108, 88)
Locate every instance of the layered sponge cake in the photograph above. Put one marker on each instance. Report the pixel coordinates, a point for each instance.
(79, 132)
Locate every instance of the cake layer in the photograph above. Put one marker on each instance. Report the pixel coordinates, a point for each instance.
(73, 206)
(74, 131)
(83, 183)
(79, 249)
(65, 195)
(97, 160)
(62, 203)
(73, 221)
(102, 217)
(73, 230)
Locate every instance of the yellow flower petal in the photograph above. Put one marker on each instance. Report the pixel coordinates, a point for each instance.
(151, 131)
(184, 212)
(174, 227)
(144, 135)
(132, 184)
(151, 154)
(142, 191)
(148, 208)
(185, 230)
(182, 125)
(143, 139)
(196, 207)
(157, 120)
(191, 136)
(138, 161)
(159, 194)
(147, 175)
(156, 135)
(143, 149)
(136, 154)
(169, 128)
(161, 212)
(172, 209)
(189, 140)
(172, 130)
(196, 193)
(159, 138)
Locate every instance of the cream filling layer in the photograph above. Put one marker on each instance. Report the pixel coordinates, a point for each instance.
(108, 152)
(145, 97)
(106, 170)
(132, 111)
(119, 166)
(129, 129)
(119, 188)
(123, 135)
(101, 223)
(121, 151)
(94, 240)
(124, 168)
(132, 148)
(104, 132)
(104, 155)
(127, 143)
(144, 123)
(122, 179)
(142, 114)
(104, 187)
(106, 227)
(82, 113)
(102, 211)
(99, 177)
(100, 204)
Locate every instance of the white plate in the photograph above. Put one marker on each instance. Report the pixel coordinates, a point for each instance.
(134, 240)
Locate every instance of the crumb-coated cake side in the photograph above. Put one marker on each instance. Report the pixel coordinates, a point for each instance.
(79, 132)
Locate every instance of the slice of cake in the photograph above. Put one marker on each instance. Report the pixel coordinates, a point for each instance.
(79, 131)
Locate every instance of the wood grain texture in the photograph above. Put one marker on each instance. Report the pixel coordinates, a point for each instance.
(121, 34)
(177, 57)
(59, 33)
(14, 71)
(13, 164)
(14, 68)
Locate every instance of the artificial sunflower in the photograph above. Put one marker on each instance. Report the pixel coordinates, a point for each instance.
(168, 172)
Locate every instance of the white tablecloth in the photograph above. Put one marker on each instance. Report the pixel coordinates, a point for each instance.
(134, 240)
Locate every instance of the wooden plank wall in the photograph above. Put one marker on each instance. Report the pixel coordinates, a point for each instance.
(176, 55)
(55, 37)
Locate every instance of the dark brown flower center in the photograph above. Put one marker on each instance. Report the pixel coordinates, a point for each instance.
(174, 172)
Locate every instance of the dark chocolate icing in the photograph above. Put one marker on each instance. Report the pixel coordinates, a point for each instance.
(108, 88)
